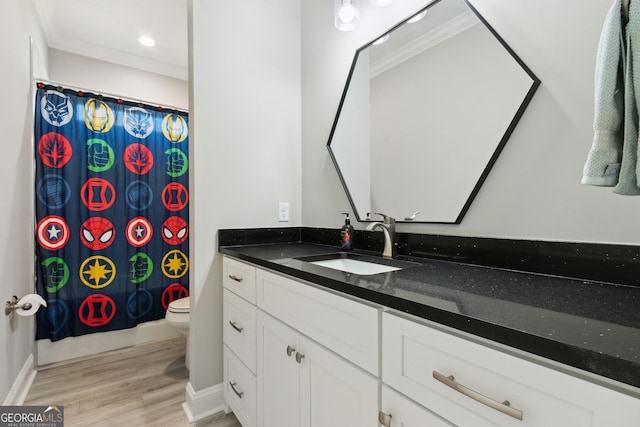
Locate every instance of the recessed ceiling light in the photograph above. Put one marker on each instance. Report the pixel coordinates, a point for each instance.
(146, 41)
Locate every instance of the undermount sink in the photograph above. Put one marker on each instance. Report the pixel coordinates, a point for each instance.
(357, 264)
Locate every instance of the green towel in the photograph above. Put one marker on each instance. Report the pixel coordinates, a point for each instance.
(612, 160)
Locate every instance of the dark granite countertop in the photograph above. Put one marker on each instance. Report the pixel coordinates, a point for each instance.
(590, 325)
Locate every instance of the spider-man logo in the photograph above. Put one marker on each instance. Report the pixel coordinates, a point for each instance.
(97, 233)
(175, 230)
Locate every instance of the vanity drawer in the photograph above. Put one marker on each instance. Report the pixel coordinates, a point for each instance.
(415, 354)
(240, 389)
(347, 327)
(239, 278)
(239, 328)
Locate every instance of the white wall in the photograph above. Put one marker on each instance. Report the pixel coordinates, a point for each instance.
(113, 79)
(16, 192)
(534, 190)
(245, 151)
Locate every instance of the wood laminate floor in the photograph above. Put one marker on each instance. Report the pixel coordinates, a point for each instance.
(138, 386)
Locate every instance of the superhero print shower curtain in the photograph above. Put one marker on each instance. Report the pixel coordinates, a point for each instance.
(111, 224)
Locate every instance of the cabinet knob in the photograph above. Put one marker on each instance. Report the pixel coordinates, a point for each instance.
(235, 278)
(384, 419)
(290, 350)
(299, 357)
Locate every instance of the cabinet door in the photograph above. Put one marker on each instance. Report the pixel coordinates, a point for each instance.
(333, 392)
(403, 412)
(278, 373)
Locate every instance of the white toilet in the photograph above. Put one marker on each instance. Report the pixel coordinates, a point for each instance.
(178, 317)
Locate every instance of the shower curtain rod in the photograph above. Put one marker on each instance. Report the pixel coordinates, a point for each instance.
(109, 95)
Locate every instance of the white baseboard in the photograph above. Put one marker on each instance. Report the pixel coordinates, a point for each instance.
(204, 403)
(22, 384)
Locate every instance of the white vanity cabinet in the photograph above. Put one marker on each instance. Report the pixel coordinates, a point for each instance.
(299, 355)
(470, 384)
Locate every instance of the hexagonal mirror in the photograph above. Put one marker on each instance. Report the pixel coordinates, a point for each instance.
(426, 110)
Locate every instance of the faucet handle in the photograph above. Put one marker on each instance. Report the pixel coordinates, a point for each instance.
(387, 218)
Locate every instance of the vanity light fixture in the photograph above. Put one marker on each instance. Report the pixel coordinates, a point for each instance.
(146, 41)
(417, 17)
(346, 14)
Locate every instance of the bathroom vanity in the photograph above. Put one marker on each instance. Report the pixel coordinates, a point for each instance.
(432, 343)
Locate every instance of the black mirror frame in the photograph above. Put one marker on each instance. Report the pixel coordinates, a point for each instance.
(512, 125)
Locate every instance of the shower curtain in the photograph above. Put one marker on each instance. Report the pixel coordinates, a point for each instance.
(111, 224)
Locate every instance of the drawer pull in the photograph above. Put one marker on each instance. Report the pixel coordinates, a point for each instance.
(290, 350)
(233, 386)
(384, 419)
(299, 357)
(235, 326)
(235, 278)
(504, 407)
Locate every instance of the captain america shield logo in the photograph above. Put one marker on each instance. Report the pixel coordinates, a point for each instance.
(52, 232)
(139, 231)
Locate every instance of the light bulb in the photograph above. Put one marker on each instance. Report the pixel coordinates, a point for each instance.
(380, 2)
(346, 14)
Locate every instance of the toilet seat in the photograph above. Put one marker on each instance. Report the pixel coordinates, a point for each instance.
(180, 305)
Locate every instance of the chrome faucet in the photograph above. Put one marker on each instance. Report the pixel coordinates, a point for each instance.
(388, 227)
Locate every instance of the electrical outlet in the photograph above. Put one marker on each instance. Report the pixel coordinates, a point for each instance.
(283, 212)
